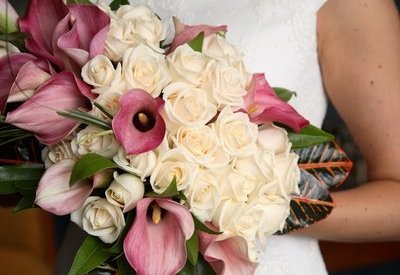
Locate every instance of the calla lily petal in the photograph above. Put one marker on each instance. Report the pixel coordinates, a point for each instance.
(226, 256)
(54, 193)
(39, 114)
(185, 33)
(8, 18)
(137, 125)
(40, 22)
(263, 105)
(159, 249)
(29, 78)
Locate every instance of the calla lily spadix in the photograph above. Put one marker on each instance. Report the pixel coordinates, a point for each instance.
(137, 125)
(155, 244)
(263, 105)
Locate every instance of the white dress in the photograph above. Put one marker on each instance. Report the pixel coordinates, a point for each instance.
(277, 37)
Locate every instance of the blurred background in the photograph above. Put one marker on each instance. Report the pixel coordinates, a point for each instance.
(29, 240)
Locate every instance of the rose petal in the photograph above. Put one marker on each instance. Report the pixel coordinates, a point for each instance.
(54, 193)
(159, 248)
(226, 256)
(263, 105)
(39, 114)
(185, 33)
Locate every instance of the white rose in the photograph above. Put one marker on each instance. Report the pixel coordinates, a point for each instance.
(236, 133)
(186, 106)
(141, 165)
(100, 73)
(225, 85)
(187, 65)
(125, 191)
(108, 100)
(204, 195)
(251, 168)
(172, 164)
(145, 69)
(100, 218)
(7, 48)
(200, 145)
(94, 140)
(131, 27)
(237, 186)
(216, 46)
(273, 138)
(225, 215)
(288, 173)
(55, 153)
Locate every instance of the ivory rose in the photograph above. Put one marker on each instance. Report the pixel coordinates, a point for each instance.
(101, 74)
(141, 164)
(225, 85)
(145, 69)
(55, 153)
(187, 65)
(236, 133)
(172, 164)
(100, 218)
(132, 26)
(125, 191)
(186, 106)
(94, 140)
(200, 145)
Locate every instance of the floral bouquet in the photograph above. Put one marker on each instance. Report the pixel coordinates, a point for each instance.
(169, 154)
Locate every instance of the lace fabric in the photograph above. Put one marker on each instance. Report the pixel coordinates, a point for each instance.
(277, 37)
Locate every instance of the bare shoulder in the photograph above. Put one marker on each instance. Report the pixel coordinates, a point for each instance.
(359, 51)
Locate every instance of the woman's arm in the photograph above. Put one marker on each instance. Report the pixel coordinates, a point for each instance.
(359, 49)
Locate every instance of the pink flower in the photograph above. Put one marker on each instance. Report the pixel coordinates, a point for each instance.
(263, 105)
(156, 245)
(227, 256)
(137, 125)
(185, 33)
(67, 36)
(20, 71)
(54, 193)
(39, 114)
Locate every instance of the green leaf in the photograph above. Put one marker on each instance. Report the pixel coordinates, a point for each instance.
(89, 165)
(124, 268)
(116, 3)
(16, 38)
(22, 172)
(103, 109)
(171, 191)
(7, 187)
(91, 254)
(86, 118)
(284, 94)
(202, 267)
(79, 2)
(192, 248)
(309, 136)
(202, 227)
(24, 204)
(197, 43)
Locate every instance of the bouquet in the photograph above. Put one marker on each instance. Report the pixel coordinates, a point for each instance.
(169, 154)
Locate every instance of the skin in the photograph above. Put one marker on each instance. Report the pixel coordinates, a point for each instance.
(359, 50)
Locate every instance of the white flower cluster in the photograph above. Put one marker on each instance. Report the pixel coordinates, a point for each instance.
(235, 174)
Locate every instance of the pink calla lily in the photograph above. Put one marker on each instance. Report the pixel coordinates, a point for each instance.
(226, 256)
(185, 33)
(137, 125)
(263, 105)
(65, 35)
(158, 248)
(54, 193)
(39, 114)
